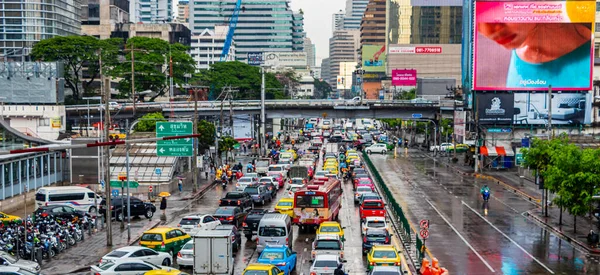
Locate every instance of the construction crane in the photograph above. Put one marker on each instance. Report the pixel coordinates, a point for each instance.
(232, 25)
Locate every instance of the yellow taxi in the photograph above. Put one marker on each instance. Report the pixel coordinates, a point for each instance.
(170, 271)
(351, 158)
(165, 239)
(333, 169)
(263, 269)
(383, 255)
(332, 228)
(285, 206)
(351, 151)
(293, 152)
(6, 218)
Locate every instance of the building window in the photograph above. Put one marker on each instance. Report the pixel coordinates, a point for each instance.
(44, 122)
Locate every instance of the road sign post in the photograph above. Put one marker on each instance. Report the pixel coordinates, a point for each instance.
(176, 147)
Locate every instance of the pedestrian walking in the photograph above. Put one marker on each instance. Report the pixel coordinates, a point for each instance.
(180, 185)
(163, 205)
(244, 147)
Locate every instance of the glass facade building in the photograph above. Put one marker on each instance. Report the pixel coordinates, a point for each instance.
(22, 23)
(298, 33)
(153, 11)
(263, 25)
(354, 13)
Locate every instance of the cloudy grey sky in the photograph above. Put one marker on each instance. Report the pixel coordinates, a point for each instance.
(317, 22)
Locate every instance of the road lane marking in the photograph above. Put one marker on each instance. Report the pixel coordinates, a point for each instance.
(462, 238)
(510, 207)
(506, 236)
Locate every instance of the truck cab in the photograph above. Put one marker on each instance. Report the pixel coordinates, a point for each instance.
(372, 208)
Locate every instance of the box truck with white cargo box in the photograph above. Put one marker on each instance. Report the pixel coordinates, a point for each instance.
(213, 253)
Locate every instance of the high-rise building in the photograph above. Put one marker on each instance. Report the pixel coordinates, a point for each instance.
(25, 22)
(342, 48)
(207, 47)
(298, 33)
(183, 11)
(151, 11)
(100, 17)
(354, 13)
(326, 71)
(337, 20)
(372, 26)
(310, 50)
(263, 25)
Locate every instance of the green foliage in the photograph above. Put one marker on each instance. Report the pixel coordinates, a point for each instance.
(447, 127)
(151, 57)
(207, 134)
(406, 95)
(226, 144)
(148, 122)
(322, 89)
(244, 77)
(77, 53)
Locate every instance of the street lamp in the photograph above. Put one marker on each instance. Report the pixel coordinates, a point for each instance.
(100, 153)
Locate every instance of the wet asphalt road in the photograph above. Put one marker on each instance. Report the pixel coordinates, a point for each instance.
(465, 238)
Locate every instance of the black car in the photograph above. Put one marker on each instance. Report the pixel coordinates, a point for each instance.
(60, 211)
(335, 139)
(236, 238)
(375, 236)
(250, 224)
(271, 187)
(236, 198)
(118, 207)
(230, 215)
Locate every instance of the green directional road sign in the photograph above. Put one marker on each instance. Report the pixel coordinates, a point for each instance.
(119, 184)
(176, 147)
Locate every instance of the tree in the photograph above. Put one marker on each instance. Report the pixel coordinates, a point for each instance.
(245, 78)
(151, 65)
(148, 122)
(207, 134)
(322, 89)
(406, 95)
(289, 79)
(78, 53)
(226, 145)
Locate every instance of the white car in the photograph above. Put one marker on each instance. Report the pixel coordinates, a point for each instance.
(354, 101)
(8, 260)
(126, 267)
(137, 253)
(377, 148)
(15, 270)
(242, 182)
(198, 222)
(373, 222)
(185, 257)
(442, 147)
(292, 188)
(325, 264)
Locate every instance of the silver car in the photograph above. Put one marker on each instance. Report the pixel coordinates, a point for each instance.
(386, 270)
(327, 244)
(325, 264)
(185, 257)
(361, 190)
(8, 260)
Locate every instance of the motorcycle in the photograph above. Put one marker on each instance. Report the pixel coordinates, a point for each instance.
(485, 194)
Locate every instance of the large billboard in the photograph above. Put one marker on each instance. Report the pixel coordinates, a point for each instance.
(286, 59)
(373, 58)
(530, 45)
(404, 77)
(495, 108)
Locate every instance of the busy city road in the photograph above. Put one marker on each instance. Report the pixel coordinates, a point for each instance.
(469, 237)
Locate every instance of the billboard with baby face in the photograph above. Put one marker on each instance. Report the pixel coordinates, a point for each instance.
(530, 45)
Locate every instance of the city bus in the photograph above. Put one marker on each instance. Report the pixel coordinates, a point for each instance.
(317, 202)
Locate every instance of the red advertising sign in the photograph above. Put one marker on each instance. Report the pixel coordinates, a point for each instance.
(404, 77)
(426, 50)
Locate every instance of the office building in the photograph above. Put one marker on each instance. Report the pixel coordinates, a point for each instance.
(337, 20)
(354, 13)
(183, 11)
(342, 48)
(24, 23)
(298, 33)
(151, 11)
(372, 26)
(316, 72)
(99, 18)
(326, 71)
(207, 47)
(263, 25)
(310, 50)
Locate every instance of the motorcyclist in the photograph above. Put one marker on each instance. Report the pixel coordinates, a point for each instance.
(484, 189)
(249, 168)
(339, 270)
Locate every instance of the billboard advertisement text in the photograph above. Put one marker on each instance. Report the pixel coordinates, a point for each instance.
(404, 77)
(495, 108)
(373, 58)
(255, 58)
(530, 45)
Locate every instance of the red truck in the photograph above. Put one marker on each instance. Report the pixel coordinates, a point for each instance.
(372, 208)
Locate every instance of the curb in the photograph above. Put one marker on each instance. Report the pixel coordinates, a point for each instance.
(199, 192)
(560, 233)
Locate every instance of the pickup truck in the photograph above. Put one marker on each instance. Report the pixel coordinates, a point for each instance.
(236, 198)
(259, 194)
(250, 224)
(327, 244)
(371, 208)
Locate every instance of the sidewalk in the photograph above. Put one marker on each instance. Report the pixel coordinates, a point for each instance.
(529, 189)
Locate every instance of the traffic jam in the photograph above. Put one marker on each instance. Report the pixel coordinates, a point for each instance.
(289, 213)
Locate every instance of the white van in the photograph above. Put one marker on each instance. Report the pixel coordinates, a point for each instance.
(274, 229)
(80, 198)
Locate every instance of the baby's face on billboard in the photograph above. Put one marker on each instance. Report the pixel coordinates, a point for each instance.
(508, 35)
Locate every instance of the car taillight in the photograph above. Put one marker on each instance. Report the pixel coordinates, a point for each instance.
(313, 273)
(257, 240)
(365, 239)
(230, 218)
(372, 263)
(342, 254)
(179, 255)
(387, 239)
(112, 207)
(244, 224)
(286, 240)
(46, 204)
(220, 201)
(397, 263)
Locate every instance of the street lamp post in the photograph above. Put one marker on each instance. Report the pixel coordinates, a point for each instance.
(263, 147)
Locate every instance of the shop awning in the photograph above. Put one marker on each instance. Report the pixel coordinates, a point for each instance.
(509, 152)
(488, 151)
(494, 151)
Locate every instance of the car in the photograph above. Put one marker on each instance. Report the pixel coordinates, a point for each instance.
(332, 169)
(377, 148)
(262, 269)
(260, 194)
(285, 206)
(271, 180)
(280, 256)
(292, 188)
(327, 244)
(113, 106)
(185, 256)
(236, 236)
(371, 208)
(193, 223)
(164, 239)
(118, 207)
(271, 187)
(279, 180)
(383, 255)
(6, 218)
(251, 222)
(287, 163)
(460, 148)
(373, 223)
(8, 260)
(15, 270)
(369, 196)
(230, 215)
(357, 100)
(442, 147)
(125, 267)
(364, 182)
(285, 156)
(375, 236)
(137, 252)
(277, 169)
(243, 182)
(330, 227)
(237, 198)
(166, 272)
(358, 177)
(386, 270)
(321, 173)
(60, 211)
(360, 191)
(324, 264)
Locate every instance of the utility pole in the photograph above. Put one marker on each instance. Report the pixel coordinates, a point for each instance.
(263, 145)
(106, 159)
(195, 158)
(550, 134)
(132, 78)
(230, 95)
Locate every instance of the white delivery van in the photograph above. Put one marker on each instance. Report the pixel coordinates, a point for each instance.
(274, 229)
(213, 253)
(80, 198)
